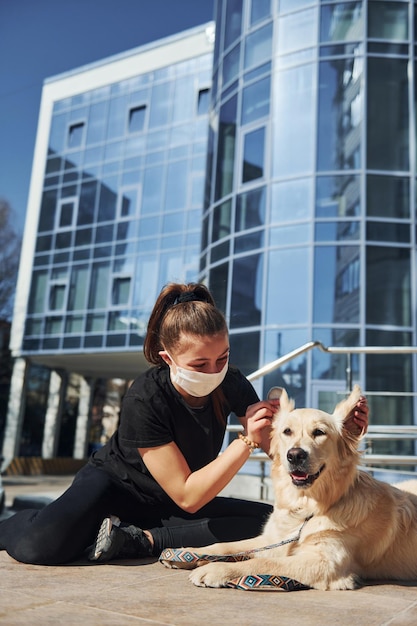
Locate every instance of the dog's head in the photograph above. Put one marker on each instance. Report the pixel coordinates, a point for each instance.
(308, 443)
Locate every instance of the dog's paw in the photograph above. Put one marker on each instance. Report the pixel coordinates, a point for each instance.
(211, 575)
(347, 583)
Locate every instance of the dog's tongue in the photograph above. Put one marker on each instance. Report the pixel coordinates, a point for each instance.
(299, 475)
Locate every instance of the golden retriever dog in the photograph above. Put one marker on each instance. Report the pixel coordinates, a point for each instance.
(357, 527)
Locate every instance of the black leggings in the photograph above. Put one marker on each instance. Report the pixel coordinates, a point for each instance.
(62, 531)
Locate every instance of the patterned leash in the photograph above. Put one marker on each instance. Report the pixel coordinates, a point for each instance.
(178, 558)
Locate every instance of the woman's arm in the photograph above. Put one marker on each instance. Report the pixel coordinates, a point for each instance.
(192, 490)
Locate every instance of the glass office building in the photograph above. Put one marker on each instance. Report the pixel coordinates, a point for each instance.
(114, 213)
(305, 228)
(309, 229)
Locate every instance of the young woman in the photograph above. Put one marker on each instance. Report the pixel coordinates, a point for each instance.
(161, 472)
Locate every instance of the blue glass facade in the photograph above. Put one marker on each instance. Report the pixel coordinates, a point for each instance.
(121, 207)
(310, 224)
(282, 173)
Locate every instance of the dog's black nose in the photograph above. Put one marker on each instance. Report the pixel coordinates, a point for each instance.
(296, 455)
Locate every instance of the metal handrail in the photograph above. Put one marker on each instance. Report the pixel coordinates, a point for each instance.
(270, 367)
(375, 432)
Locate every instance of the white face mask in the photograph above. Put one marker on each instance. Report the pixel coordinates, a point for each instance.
(197, 384)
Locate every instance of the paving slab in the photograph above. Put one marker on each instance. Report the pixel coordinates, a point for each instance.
(145, 592)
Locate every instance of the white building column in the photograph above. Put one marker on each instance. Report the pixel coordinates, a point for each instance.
(53, 415)
(15, 412)
(83, 421)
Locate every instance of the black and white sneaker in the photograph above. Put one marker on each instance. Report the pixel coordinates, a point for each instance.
(116, 542)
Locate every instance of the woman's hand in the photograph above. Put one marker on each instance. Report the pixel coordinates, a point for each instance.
(258, 422)
(357, 420)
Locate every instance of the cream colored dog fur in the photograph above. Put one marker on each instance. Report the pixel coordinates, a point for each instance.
(360, 528)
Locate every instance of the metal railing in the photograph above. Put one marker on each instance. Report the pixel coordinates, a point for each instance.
(372, 461)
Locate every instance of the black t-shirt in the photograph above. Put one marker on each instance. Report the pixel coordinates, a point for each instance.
(154, 413)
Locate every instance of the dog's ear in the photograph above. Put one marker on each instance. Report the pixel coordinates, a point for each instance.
(344, 408)
(285, 403)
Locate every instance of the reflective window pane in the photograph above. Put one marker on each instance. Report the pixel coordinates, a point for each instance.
(129, 201)
(292, 375)
(294, 122)
(387, 196)
(100, 279)
(222, 216)
(97, 123)
(338, 196)
(293, 5)
(117, 117)
(48, 207)
(233, 21)
(152, 190)
(78, 288)
(388, 286)
(255, 100)
(226, 149)
(231, 65)
(292, 200)
(161, 106)
(183, 103)
(137, 119)
(388, 109)
(246, 291)
(203, 101)
(279, 308)
(287, 235)
(57, 296)
(58, 134)
(176, 186)
(66, 216)
(341, 22)
(245, 351)
(340, 114)
(336, 284)
(337, 231)
(87, 203)
(388, 231)
(246, 243)
(121, 290)
(253, 155)
(329, 366)
(258, 47)
(260, 9)
(388, 20)
(76, 135)
(390, 372)
(218, 285)
(297, 31)
(250, 209)
(106, 204)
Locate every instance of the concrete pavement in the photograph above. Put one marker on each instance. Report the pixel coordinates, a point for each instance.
(145, 592)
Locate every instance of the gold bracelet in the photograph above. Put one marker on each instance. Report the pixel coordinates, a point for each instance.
(251, 444)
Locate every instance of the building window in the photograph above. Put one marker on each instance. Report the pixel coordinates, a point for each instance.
(66, 213)
(253, 155)
(255, 100)
(128, 202)
(137, 119)
(121, 290)
(76, 135)
(260, 10)
(203, 101)
(57, 296)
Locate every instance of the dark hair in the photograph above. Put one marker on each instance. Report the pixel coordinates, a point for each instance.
(184, 310)
(181, 309)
